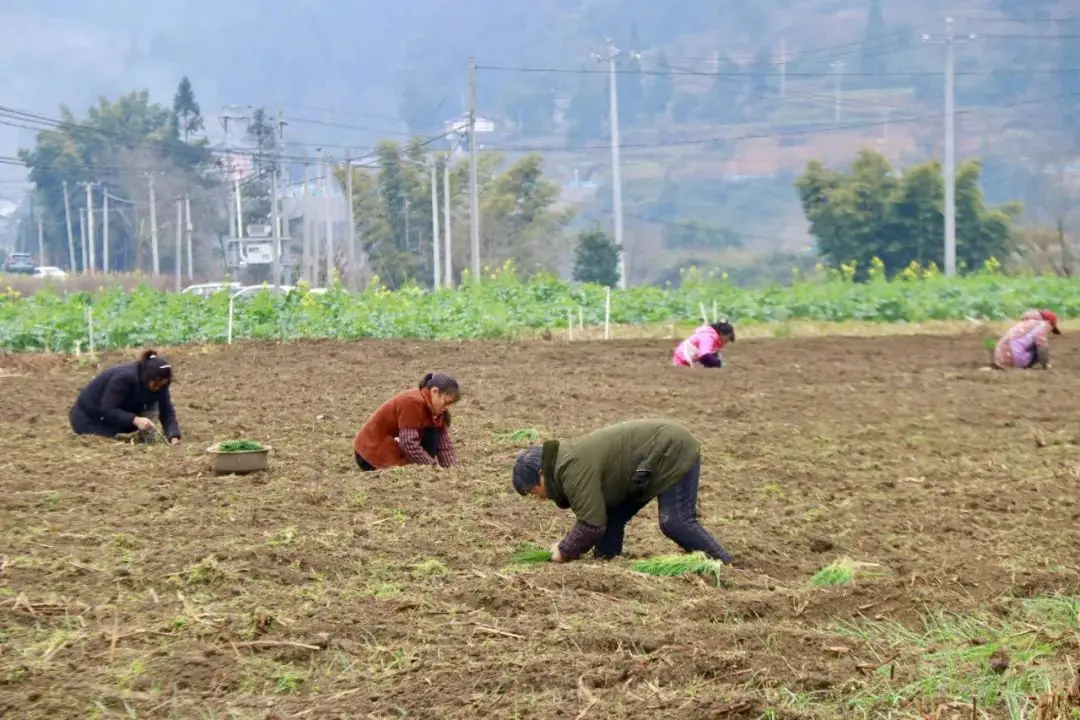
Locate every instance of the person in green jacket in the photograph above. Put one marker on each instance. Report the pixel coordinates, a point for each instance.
(607, 476)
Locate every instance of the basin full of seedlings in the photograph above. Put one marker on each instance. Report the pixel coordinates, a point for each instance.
(239, 457)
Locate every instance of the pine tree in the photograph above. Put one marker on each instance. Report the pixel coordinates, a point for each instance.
(186, 110)
(660, 93)
(872, 62)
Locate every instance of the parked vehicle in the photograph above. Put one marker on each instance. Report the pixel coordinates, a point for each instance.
(208, 289)
(48, 271)
(21, 263)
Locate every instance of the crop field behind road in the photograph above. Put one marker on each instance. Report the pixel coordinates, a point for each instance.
(137, 585)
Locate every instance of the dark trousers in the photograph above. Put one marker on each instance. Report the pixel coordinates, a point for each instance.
(1041, 356)
(84, 424)
(678, 520)
(429, 440)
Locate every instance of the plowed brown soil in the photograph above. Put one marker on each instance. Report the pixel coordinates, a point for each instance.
(136, 584)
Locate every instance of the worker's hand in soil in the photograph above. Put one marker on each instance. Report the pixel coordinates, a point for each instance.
(144, 424)
(174, 441)
(556, 556)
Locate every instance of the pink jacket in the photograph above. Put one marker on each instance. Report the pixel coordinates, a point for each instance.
(703, 341)
(1017, 347)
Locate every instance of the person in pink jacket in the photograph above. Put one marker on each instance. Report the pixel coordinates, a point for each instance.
(1026, 344)
(702, 348)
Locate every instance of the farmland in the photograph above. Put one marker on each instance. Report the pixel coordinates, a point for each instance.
(137, 585)
(505, 307)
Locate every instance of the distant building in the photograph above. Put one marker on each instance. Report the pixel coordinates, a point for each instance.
(461, 125)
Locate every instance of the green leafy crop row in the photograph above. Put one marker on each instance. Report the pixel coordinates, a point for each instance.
(502, 307)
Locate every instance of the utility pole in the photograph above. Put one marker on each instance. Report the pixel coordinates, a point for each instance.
(350, 234)
(305, 260)
(948, 168)
(275, 213)
(436, 236)
(613, 54)
(41, 242)
(90, 226)
(82, 239)
(837, 66)
(783, 69)
(178, 265)
(105, 230)
(448, 268)
(328, 217)
(189, 229)
(70, 233)
(153, 227)
(474, 189)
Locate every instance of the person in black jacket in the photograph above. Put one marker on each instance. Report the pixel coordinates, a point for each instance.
(124, 398)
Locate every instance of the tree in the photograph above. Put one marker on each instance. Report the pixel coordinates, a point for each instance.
(262, 132)
(761, 69)
(660, 93)
(587, 111)
(721, 106)
(1069, 38)
(872, 61)
(596, 258)
(115, 145)
(871, 213)
(631, 88)
(186, 110)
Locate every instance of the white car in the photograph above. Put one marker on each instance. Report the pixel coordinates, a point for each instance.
(49, 271)
(208, 289)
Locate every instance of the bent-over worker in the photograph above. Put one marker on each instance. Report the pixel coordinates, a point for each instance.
(126, 398)
(412, 427)
(609, 475)
(703, 347)
(1026, 344)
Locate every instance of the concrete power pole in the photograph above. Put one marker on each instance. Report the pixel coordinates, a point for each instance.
(105, 230)
(70, 232)
(838, 66)
(189, 230)
(613, 54)
(275, 212)
(305, 260)
(783, 69)
(474, 189)
(178, 264)
(90, 226)
(350, 233)
(948, 168)
(328, 217)
(42, 260)
(448, 267)
(436, 236)
(153, 227)
(82, 239)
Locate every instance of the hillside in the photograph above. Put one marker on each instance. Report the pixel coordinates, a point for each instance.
(727, 103)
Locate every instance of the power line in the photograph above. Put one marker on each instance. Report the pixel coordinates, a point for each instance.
(795, 132)
(750, 74)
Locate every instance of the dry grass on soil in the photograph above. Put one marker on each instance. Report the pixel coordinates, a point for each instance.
(944, 498)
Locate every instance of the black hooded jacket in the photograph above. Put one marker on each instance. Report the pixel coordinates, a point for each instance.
(116, 396)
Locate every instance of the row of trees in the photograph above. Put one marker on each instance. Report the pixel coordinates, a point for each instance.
(121, 145)
(118, 148)
(875, 211)
(520, 215)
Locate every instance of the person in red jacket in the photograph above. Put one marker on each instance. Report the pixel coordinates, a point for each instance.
(410, 428)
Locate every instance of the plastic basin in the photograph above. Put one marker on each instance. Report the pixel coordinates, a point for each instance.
(239, 463)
